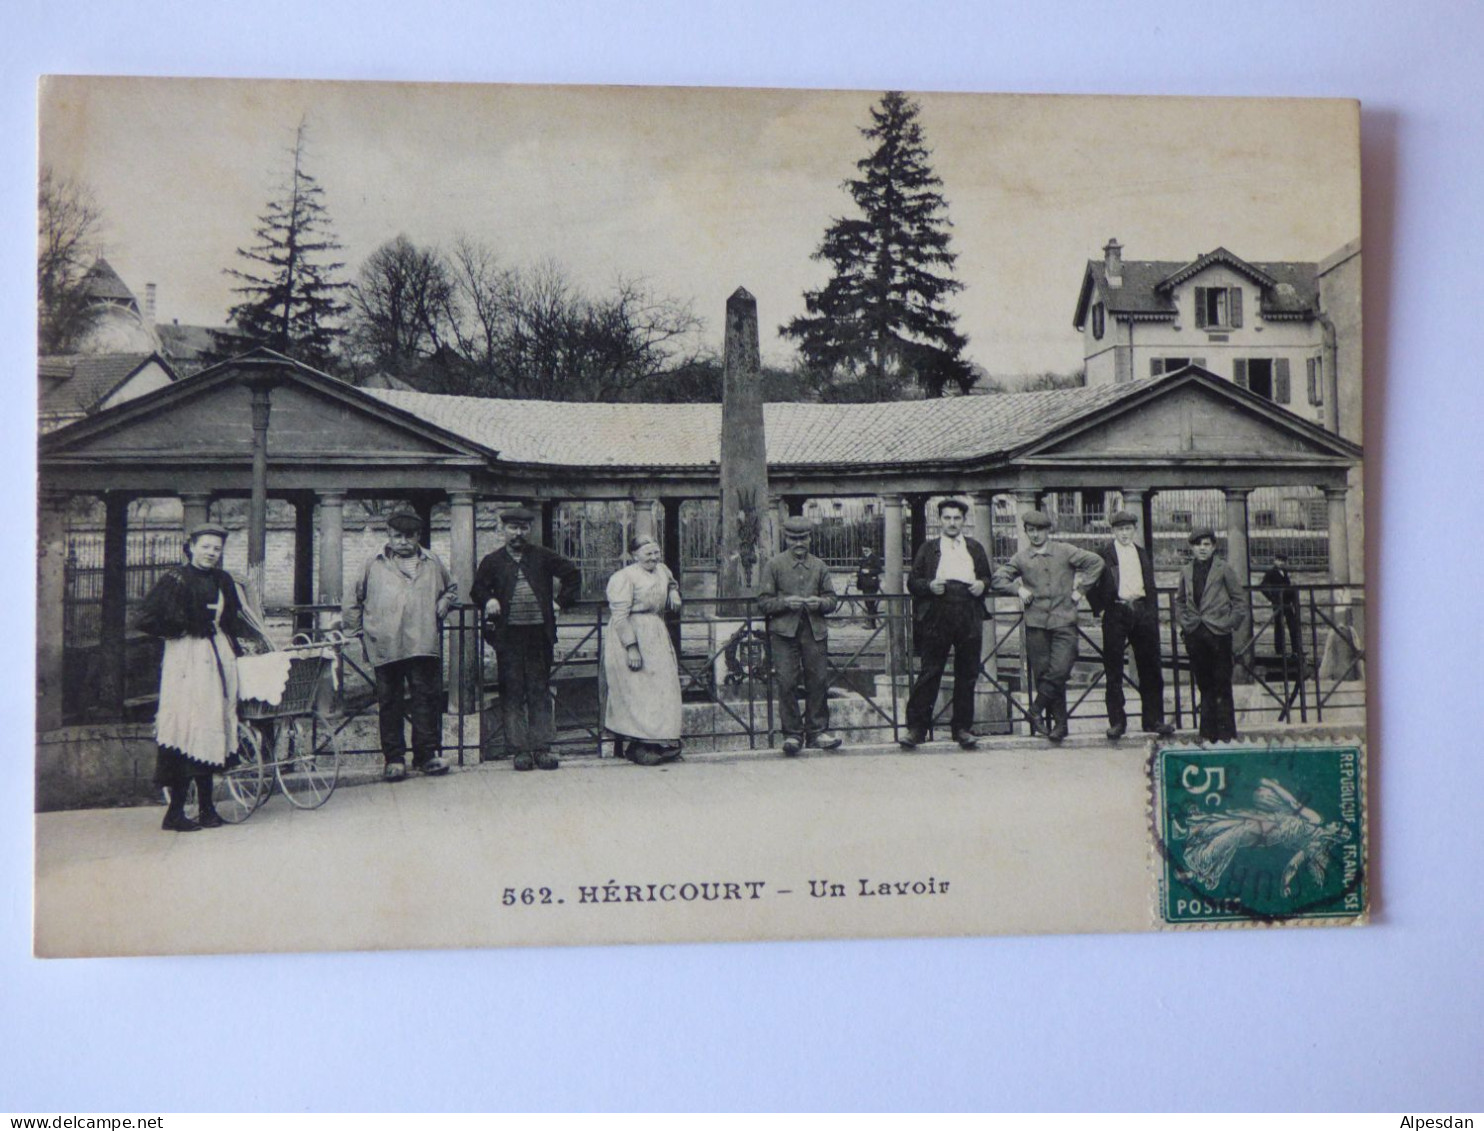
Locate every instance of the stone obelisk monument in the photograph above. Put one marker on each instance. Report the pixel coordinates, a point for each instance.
(746, 537)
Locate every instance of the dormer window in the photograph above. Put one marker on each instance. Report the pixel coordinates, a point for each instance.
(1097, 321)
(1218, 308)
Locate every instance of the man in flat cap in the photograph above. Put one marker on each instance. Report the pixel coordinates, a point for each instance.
(401, 598)
(517, 586)
(1050, 578)
(1210, 607)
(950, 575)
(1126, 598)
(795, 594)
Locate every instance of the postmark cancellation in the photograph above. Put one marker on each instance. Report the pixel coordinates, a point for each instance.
(1259, 833)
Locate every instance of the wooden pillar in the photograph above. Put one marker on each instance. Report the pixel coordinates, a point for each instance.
(257, 516)
(672, 535)
(304, 559)
(1339, 535)
(1236, 533)
(51, 620)
(892, 550)
(114, 612)
(195, 508)
(331, 547)
(1135, 503)
(982, 503)
(1236, 555)
(644, 524)
(463, 656)
(1027, 499)
(423, 505)
(546, 535)
(892, 576)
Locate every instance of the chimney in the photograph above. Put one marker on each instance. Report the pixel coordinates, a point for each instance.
(149, 304)
(1113, 262)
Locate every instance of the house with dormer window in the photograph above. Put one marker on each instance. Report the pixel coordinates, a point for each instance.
(1262, 325)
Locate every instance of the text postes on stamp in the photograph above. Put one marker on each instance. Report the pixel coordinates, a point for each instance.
(1260, 833)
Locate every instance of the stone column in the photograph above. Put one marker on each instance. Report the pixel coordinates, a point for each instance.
(331, 547)
(195, 507)
(114, 612)
(746, 532)
(1133, 502)
(1027, 499)
(1339, 536)
(51, 588)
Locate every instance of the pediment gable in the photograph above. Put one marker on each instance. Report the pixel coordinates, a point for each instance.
(208, 417)
(1192, 415)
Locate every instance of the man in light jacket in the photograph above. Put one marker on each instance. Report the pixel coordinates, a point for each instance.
(1050, 578)
(401, 598)
(1210, 607)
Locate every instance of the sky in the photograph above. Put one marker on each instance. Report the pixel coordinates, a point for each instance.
(700, 191)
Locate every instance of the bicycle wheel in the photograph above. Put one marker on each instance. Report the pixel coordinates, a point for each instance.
(240, 790)
(307, 760)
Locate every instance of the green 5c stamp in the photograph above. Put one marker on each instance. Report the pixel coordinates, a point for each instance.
(1260, 833)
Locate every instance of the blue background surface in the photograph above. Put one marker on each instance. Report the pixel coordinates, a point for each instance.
(1390, 1017)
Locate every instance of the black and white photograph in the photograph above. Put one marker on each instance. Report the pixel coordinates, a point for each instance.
(776, 557)
(591, 514)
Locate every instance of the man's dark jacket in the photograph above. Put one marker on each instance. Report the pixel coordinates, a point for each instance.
(925, 568)
(1105, 592)
(497, 575)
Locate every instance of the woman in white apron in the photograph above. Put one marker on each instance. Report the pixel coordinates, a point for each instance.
(198, 610)
(640, 672)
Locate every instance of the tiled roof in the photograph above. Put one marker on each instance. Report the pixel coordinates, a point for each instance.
(798, 435)
(75, 383)
(1296, 292)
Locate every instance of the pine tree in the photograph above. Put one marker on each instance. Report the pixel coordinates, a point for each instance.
(289, 303)
(879, 324)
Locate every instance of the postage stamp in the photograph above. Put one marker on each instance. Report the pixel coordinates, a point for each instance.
(1260, 833)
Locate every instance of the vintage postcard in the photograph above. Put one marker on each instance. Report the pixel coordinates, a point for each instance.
(493, 515)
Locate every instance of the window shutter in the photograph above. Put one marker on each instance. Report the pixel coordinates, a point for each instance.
(1281, 390)
(1156, 366)
(1200, 307)
(1319, 380)
(1234, 299)
(1239, 371)
(1309, 374)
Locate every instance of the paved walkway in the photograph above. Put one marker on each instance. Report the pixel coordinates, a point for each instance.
(1014, 837)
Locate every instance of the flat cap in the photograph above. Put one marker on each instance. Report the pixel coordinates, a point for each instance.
(1201, 532)
(1122, 518)
(1035, 518)
(205, 528)
(405, 519)
(797, 526)
(518, 513)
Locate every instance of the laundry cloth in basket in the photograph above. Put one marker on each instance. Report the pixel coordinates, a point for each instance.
(263, 677)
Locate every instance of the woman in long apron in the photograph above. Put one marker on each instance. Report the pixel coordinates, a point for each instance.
(197, 610)
(639, 667)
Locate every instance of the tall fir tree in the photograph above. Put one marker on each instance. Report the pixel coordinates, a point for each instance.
(880, 324)
(289, 302)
